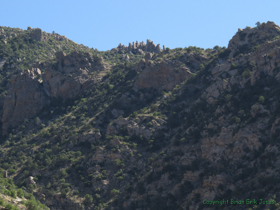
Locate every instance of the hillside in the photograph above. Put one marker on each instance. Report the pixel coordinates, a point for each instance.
(140, 127)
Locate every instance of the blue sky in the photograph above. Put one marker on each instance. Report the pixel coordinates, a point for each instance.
(103, 24)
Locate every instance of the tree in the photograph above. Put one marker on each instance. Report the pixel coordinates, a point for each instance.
(32, 205)
(217, 48)
(115, 191)
(258, 24)
(88, 199)
(261, 99)
(20, 193)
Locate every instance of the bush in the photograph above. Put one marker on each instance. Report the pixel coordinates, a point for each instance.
(115, 192)
(10, 207)
(11, 171)
(233, 66)
(246, 73)
(13, 193)
(20, 193)
(261, 99)
(31, 205)
(88, 199)
(7, 192)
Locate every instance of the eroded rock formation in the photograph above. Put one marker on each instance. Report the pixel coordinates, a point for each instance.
(138, 48)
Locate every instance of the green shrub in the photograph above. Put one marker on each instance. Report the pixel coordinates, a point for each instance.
(261, 99)
(115, 191)
(31, 205)
(10, 207)
(11, 171)
(7, 192)
(13, 193)
(247, 73)
(20, 193)
(233, 66)
(88, 199)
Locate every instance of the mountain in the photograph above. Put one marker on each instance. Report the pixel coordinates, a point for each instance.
(140, 127)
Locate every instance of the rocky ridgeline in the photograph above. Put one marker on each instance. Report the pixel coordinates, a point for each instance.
(35, 34)
(263, 60)
(246, 39)
(139, 48)
(39, 35)
(207, 155)
(7, 33)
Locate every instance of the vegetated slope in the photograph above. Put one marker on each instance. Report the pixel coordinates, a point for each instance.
(13, 198)
(164, 129)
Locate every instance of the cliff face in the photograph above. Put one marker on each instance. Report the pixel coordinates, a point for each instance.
(25, 99)
(152, 130)
(71, 76)
(31, 91)
(163, 75)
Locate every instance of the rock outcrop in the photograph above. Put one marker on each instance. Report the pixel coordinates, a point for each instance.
(71, 76)
(249, 37)
(261, 60)
(138, 48)
(162, 76)
(31, 91)
(36, 34)
(30, 180)
(25, 99)
(232, 146)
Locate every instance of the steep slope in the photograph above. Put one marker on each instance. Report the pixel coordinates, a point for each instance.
(138, 127)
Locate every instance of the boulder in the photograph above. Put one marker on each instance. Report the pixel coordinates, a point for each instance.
(30, 180)
(148, 56)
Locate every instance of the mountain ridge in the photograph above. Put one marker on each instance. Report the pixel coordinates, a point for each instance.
(138, 127)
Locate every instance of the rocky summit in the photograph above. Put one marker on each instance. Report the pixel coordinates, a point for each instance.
(139, 127)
